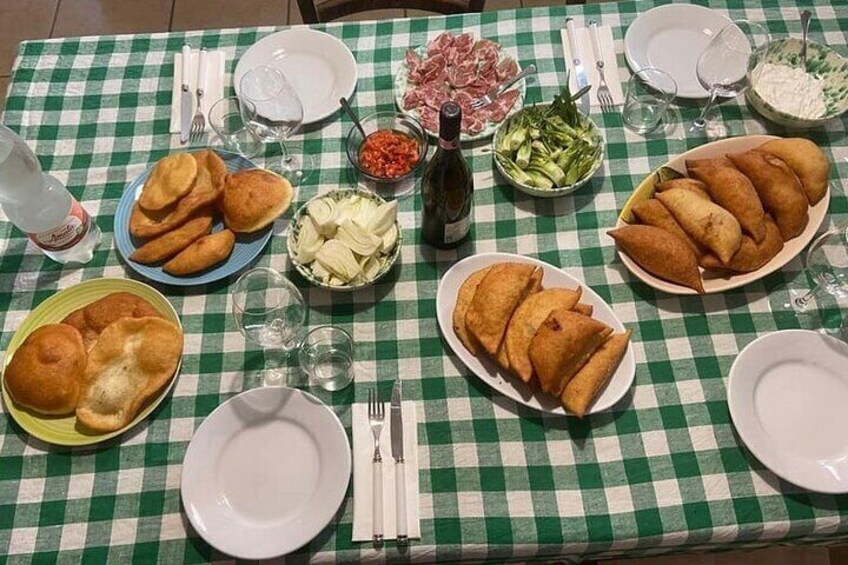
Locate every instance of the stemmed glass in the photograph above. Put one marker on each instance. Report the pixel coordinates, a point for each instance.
(269, 311)
(827, 264)
(279, 114)
(723, 66)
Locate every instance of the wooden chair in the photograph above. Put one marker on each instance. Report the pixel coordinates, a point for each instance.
(315, 11)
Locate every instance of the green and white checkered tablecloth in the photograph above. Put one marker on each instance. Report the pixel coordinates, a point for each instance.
(662, 471)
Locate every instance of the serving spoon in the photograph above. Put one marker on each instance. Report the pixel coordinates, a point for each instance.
(352, 115)
(806, 16)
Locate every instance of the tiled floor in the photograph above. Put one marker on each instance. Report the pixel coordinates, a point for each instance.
(34, 19)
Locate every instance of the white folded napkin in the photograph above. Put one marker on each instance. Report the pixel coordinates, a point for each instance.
(213, 89)
(363, 450)
(584, 41)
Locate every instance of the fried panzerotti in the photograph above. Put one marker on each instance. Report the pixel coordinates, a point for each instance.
(751, 256)
(807, 160)
(526, 320)
(582, 390)
(46, 371)
(133, 359)
(732, 190)
(562, 345)
(778, 188)
(692, 185)
(463, 302)
(214, 165)
(207, 251)
(170, 180)
(500, 292)
(92, 319)
(709, 224)
(585, 309)
(171, 243)
(660, 253)
(144, 224)
(253, 199)
(652, 212)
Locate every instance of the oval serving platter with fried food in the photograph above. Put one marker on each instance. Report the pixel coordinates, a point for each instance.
(715, 281)
(247, 246)
(511, 386)
(63, 430)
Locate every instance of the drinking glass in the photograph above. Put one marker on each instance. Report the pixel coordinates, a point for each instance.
(279, 114)
(723, 66)
(649, 93)
(827, 264)
(269, 310)
(326, 355)
(227, 118)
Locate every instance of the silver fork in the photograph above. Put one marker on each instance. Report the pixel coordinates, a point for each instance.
(500, 89)
(376, 417)
(604, 96)
(198, 122)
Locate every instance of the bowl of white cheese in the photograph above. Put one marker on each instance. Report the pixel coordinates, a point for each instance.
(784, 92)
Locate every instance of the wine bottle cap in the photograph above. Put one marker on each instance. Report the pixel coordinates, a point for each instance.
(450, 119)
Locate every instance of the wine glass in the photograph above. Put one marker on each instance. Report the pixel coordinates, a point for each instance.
(827, 264)
(723, 66)
(270, 312)
(279, 114)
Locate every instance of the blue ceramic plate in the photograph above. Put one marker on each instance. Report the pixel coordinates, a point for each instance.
(248, 245)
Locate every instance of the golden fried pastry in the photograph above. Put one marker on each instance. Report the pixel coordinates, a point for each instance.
(652, 212)
(778, 188)
(692, 185)
(133, 359)
(498, 295)
(144, 223)
(214, 165)
(582, 390)
(709, 162)
(807, 161)
(253, 199)
(207, 251)
(526, 320)
(732, 190)
(709, 224)
(46, 371)
(585, 309)
(659, 253)
(463, 301)
(170, 180)
(92, 319)
(536, 281)
(751, 256)
(171, 243)
(562, 345)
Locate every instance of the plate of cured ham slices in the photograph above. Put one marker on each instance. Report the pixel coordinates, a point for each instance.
(460, 68)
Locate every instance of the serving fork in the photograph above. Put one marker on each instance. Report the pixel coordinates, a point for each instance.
(198, 122)
(501, 88)
(604, 96)
(376, 417)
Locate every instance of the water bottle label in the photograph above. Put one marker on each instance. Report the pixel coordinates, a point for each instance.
(67, 234)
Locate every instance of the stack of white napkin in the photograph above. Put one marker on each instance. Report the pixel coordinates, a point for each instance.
(584, 41)
(213, 86)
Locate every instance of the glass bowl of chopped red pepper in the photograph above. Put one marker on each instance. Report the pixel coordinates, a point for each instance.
(393, 148)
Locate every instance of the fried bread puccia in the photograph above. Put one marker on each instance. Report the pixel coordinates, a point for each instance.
(92, 319)
(253, 199)
(544, 337)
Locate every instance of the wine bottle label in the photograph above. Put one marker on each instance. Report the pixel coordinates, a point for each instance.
(448, 145)
(457, 230)
(67, 234)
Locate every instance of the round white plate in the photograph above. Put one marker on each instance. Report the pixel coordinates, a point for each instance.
(714, 281)
(265, 472)
(672, 38)
(787, 393)
(512, 387)
(320, 68)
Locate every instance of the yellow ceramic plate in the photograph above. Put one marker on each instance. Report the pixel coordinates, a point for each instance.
(63, 430)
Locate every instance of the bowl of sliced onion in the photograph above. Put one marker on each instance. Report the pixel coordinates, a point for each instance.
(345, 239)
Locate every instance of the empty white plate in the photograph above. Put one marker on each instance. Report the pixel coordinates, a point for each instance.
(265, 472)
(787, 394)
(672, 38)
(320, 68)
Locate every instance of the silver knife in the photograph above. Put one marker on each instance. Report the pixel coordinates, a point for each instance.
(400, 467)
(185, 97)
(577, 64)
